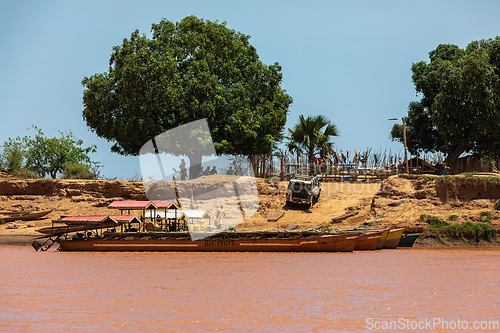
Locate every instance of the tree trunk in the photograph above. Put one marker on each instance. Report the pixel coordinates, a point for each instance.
(310, 159)
(194, 165)
(255, 167)
(454, 153)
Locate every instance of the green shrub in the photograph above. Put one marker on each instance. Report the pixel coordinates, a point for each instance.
(12, 156)
(470, 232)
(26, 174)
(487, 216)
(433, 221)
(453, 217)
(75, 170)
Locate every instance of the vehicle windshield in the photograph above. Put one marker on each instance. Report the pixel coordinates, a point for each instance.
(299, 186)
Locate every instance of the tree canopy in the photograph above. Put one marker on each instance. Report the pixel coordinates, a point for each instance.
(189, 70)
(460, 99)
(47, 156)
(12, 155)
(312, 135)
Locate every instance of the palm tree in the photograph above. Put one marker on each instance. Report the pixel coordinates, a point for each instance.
(313, 135)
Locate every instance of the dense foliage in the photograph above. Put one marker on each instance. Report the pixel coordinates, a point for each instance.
(460, 99)
(12, 155)
(41, 156)
(186, 71)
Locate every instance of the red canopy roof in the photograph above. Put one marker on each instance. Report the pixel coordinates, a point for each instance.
(165, 205)
(124, 218)
(98, 219)
(141, 205)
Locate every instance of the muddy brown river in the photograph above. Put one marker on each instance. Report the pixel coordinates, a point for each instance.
(434, 290)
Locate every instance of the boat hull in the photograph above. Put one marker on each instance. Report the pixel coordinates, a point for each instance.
(323, 243)
(383, 238)
(408, 238)
(393, 238)
(368, 240)
(23, 216)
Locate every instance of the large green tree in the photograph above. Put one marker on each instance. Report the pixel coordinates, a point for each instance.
(50, 156)
(460, 98)
(188, 70)
(312, 135)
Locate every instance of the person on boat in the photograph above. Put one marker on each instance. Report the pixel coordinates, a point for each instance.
(213, 171)
(230, 171)
(220, 215)
(207, 171)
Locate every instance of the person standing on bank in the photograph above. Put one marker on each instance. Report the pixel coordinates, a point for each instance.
(183, 168)
(219, 216)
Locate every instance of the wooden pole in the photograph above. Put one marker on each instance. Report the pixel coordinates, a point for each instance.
(281, 167)
(404, 139)
(271, 164)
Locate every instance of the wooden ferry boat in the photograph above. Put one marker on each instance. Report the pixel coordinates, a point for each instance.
(216, 242)
(99, 233)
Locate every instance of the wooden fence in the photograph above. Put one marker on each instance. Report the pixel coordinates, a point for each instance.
(377, 166)
(283, 167)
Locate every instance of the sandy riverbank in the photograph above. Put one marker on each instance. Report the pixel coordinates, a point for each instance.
(464, 199)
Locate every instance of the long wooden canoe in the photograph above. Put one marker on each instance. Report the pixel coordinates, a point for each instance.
(25, 216)
(368, 240)
(84, 223)
(408, 238)
(65, 229)
(10, 217)
(393, 238)
(383, 238)
(10, 212)
(225, 242)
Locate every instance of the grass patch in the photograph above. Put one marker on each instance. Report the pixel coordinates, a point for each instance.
(453, 217)
(470, 174)
(468, 231)
(433, 220)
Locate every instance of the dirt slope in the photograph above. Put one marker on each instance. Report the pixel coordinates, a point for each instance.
(465, 197)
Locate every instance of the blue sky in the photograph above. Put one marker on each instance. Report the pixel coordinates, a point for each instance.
(347, 60)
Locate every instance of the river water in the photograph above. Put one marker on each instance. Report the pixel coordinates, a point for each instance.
(404, 289)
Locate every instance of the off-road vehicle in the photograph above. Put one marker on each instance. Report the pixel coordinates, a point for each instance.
(303, 190)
